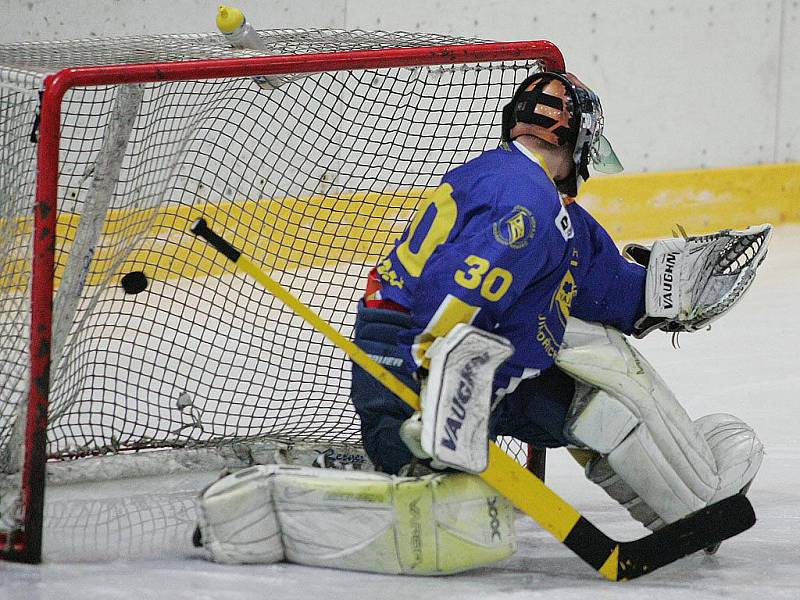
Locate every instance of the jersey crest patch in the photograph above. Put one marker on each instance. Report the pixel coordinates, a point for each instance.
(563, 297)
(516, 228)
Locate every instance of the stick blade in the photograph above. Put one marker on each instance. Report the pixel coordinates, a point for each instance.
(703, 528)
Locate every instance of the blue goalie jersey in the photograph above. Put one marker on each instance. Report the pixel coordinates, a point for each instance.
(495, 246)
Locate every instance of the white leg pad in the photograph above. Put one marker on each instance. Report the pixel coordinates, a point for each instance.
(331, 518)
(736, 448)
(237, 519)
(600, 472)
(429, 525)
(604, 422)
(638, 423)
(664, 484)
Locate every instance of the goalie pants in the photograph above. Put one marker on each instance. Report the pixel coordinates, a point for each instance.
(535, 413)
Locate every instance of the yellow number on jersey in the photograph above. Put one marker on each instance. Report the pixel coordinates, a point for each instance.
(443, 221)
(490, 290)
(493, 286)
(471, 278)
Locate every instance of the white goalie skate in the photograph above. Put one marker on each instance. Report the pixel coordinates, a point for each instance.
(694, 280)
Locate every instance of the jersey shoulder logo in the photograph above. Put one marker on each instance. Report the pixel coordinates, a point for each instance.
(516, 228)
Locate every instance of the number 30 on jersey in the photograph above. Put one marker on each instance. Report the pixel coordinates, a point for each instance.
(430, 228)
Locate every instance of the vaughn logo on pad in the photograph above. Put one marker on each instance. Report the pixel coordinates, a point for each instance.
(460, 400)
(667, 280)
(456, 401)
(664, 278)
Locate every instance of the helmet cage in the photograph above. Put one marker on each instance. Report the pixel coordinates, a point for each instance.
(585, 125)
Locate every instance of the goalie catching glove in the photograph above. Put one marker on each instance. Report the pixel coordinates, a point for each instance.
(692, 281)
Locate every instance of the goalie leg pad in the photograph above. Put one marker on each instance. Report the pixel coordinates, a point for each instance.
(430, 525)
(373, 522)
(737, 451)
(673, 465)
(237, 520)
(600, 472)
(600, 421)
(649, 440)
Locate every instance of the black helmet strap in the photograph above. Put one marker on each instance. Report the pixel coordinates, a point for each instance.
(522, 108)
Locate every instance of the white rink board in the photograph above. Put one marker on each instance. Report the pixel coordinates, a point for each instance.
(747, 365)
(685, 84)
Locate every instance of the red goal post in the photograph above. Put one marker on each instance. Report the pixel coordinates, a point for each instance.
(24, 543)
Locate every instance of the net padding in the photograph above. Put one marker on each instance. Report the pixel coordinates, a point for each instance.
(49, 57)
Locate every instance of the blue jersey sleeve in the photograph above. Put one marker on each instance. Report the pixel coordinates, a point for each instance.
(612, 288)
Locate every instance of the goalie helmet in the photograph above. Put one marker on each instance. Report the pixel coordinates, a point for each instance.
(559, 109)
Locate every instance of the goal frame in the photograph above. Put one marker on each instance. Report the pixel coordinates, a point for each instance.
(25, 544)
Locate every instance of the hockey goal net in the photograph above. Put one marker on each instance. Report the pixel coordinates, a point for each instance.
(120, 333)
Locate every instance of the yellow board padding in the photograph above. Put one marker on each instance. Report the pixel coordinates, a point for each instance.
(280, 233)
(318, 231)
(649, 205)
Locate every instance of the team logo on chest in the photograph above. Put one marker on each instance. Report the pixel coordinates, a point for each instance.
(516, 228)
(563, 297)
(560, 306)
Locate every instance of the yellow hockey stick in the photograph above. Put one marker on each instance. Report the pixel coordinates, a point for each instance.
(615, 560)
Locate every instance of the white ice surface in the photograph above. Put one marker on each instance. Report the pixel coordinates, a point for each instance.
(748, 364)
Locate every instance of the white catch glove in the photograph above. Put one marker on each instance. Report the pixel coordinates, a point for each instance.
(692, 281)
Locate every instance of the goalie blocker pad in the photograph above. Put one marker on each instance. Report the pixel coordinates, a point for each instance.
(433, 525)
(457, 396)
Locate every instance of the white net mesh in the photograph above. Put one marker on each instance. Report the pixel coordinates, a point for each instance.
(312, 180)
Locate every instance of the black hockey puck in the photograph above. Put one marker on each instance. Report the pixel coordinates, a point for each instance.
(134, 282)
(197, 538)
